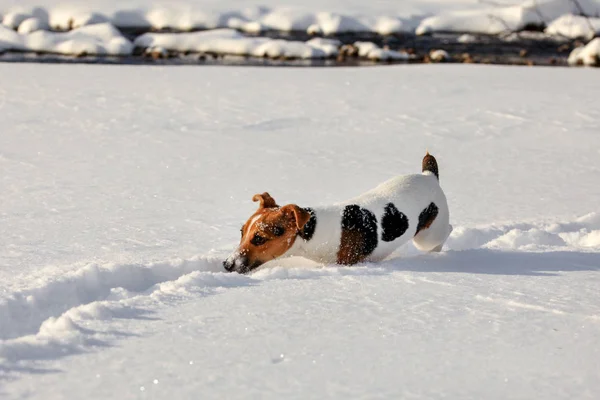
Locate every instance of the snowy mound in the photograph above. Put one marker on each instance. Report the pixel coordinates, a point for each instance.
(232, 42)
(99, 39)
(494, 20)
(196, 17)
(574, 27)
(229, 41)
(329, 17)
(586, 55)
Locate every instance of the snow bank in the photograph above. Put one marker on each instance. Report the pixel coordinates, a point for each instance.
(574, 27)
(327, 23)
(476, 17)
(586, 55)
(494, 20)
(254, 19)
(229, 41)
(314, 18)
(33, 24)
(100, 39)
(581, 234)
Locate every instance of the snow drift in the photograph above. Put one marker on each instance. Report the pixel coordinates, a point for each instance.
(499, 19)
(98, 39)
(586, 55)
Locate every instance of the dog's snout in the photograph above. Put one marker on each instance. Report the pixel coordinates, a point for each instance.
(236, 264)
(228, 265)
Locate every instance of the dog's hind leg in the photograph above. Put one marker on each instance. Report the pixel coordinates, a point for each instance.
(433, 230)
(438, 248)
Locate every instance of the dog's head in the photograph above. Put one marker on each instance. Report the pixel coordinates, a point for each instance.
(268, 234)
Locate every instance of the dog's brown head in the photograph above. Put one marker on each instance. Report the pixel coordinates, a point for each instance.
(268, 234)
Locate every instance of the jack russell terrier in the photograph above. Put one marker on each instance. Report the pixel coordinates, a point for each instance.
(366, 228)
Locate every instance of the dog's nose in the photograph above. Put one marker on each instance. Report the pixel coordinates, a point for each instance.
(235, 264)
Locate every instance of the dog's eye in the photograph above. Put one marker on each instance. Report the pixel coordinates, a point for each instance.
(258, 240)
(242, 231)
(278, 231)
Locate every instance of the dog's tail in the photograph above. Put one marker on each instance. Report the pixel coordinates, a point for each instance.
(430, 165)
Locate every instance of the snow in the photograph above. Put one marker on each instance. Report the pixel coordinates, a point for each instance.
(325, 17)
(32, 24)
(123, 189)
(574, 27)
(586, 55)
(371, 51)
(507, 18)
(330, 17)
(229, 41)
(101, 39)
(439, 55)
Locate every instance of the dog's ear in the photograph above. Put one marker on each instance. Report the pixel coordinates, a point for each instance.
(266, 201)
(299, 215)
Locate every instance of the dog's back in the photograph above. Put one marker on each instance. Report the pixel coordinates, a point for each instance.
(410, 207)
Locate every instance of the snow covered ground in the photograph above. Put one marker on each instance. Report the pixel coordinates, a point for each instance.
(123, 188)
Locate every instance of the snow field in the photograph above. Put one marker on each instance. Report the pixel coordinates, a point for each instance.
(46, 322)
(110, 171)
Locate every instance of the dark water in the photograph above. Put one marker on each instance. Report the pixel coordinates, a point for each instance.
(484, 49)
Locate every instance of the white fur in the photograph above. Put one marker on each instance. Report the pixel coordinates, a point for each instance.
(411, 194)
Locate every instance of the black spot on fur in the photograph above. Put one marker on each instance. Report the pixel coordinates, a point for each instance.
(427, 217)
(362, 221)
(309, 228)
(393, 223)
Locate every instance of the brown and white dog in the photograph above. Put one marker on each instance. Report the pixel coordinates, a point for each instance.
(367, 228)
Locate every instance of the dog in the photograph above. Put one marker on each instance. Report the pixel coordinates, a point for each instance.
(367, 228)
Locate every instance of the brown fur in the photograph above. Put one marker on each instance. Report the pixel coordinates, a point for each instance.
(265, 222)
(359, 235)
(426, 218)
(350, 248)
(426, 225)
(266, 201)
(430, 164)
